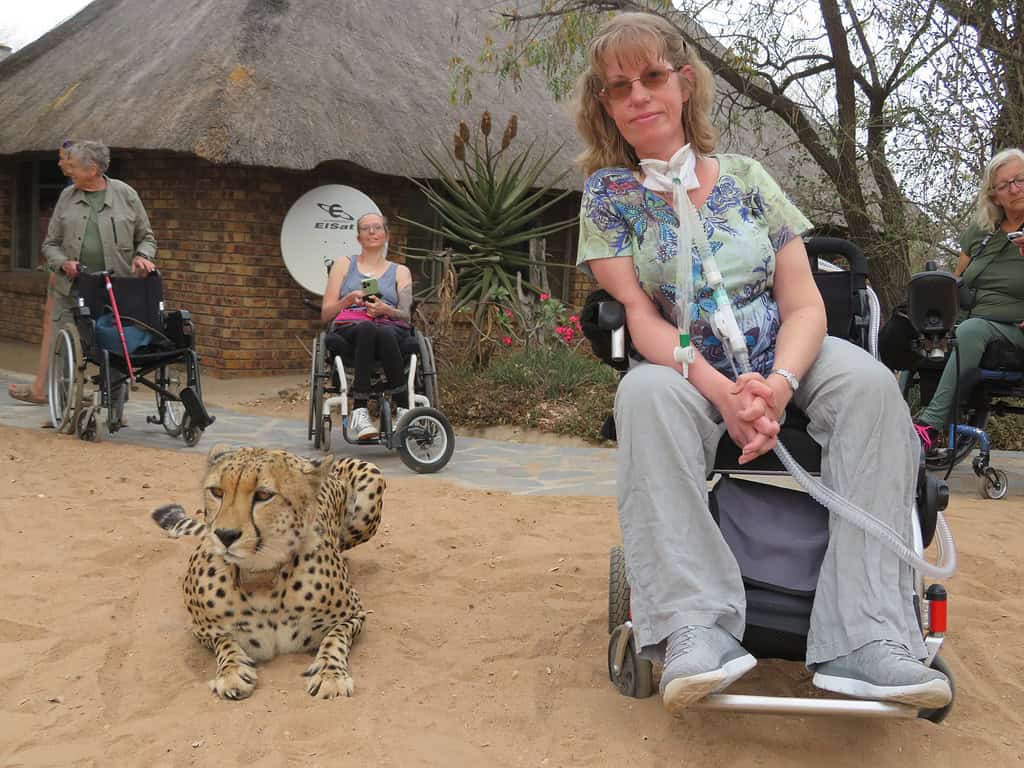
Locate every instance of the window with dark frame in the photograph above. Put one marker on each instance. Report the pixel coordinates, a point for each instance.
(38, 183)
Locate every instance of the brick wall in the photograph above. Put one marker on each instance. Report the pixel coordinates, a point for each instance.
(22, 293)
(218, 233)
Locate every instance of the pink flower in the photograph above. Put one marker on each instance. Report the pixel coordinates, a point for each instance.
(545, 296)
(506, 340)
(508, 312)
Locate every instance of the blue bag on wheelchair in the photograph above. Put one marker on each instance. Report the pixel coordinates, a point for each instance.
(108, 338)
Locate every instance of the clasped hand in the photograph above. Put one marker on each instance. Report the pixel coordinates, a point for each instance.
(751, 414)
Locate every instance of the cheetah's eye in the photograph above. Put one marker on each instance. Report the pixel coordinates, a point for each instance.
(217, 493)
(263, 495)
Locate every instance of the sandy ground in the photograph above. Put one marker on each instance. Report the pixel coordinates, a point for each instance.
(486, 645)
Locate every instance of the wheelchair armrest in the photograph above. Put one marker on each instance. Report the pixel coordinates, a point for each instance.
(603, 320)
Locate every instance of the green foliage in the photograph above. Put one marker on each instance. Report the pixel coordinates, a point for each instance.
(488, 201)
(551, 388)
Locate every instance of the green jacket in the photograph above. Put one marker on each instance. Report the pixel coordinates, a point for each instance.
(123, 224)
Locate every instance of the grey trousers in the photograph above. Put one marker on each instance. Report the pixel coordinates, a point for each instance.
(680, 569)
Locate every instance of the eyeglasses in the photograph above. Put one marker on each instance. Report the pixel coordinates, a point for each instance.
(652, 80)
(1017, 181)
(372, 228)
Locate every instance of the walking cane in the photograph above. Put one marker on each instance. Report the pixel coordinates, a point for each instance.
(120, 328)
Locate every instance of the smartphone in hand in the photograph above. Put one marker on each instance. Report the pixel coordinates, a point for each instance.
(370, 287)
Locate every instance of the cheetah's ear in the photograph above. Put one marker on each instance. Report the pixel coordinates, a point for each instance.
(218, 452)
(319, 466)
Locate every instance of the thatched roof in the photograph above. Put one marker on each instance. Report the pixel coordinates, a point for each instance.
(278, 83)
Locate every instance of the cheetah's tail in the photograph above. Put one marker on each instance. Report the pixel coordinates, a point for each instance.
(176, 523)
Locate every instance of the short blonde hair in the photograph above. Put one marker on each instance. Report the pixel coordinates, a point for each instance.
(639, 37)
(987, 213)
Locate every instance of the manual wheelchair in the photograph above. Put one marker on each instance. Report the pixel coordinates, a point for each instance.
(933, 308)
(423, 436)
(777, 617)
(167, 351)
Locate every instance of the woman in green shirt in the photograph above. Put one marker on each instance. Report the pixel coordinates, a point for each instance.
(993, 265)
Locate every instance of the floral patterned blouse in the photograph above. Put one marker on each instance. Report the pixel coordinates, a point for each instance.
(747, 219)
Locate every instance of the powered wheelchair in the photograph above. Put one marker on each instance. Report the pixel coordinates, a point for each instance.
(933, 306)
(119, 325)
(777, 617)
(423, 436)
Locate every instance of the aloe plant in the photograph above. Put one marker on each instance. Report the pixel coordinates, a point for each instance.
(487, 201)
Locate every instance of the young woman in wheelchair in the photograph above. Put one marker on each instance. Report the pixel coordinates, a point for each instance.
(991, 265)
(368, 301)
(643, 112)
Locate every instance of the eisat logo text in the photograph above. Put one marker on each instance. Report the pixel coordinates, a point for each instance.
(335, 211)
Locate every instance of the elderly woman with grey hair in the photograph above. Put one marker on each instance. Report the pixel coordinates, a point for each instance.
(99, 223)
(992, 263)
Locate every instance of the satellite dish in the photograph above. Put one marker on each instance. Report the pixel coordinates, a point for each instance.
(319, 227)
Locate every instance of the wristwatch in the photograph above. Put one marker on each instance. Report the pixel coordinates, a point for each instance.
(791, 379)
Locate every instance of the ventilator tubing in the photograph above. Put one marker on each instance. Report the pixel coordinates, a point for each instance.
(723, 322)
(871, 525)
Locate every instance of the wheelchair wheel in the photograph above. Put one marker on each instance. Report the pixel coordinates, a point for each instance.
(316, 391)
(993, 484)
(430, 387)
(635, 677)
(325, 434)
(190, 434)
(940, 714)
(426, 440)
(90, 425)
(173, 378)
(65, 380)
(618, 589)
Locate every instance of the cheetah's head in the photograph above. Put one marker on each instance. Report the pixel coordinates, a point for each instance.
(260, 504)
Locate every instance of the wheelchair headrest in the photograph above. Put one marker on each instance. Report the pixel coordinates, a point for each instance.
(933, 302)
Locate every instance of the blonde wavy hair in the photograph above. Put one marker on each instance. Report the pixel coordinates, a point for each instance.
(639, 38)
(987, 213)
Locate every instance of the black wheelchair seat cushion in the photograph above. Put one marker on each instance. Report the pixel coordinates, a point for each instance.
(1002, 355)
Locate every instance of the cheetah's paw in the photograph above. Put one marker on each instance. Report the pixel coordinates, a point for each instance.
(235, 684)
(328, 684)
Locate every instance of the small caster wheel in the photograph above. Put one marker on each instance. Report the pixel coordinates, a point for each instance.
(634, 677)
(940, 714)
(325, 434)
(993, 484)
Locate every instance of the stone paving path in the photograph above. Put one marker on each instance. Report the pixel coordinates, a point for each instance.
(477, 463)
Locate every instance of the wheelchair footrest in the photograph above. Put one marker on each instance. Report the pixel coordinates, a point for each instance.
(195, 409)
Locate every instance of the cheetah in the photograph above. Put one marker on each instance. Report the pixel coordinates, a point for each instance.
(268, 576)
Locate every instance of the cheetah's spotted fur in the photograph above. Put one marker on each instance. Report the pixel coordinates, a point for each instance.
(268, 576)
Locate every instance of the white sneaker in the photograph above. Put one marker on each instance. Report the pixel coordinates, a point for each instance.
(360, 426)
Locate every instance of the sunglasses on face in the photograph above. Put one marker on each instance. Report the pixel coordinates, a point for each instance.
(1017, 181)
(652, 80)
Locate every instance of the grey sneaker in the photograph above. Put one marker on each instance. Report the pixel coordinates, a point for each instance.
(360, 426)
(699, 661)
(887, 671)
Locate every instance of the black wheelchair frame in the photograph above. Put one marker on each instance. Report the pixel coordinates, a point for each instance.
(170, 355)
(777, 623)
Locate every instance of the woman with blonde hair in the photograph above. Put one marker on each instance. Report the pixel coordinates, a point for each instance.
(992, 265)
(675, 232)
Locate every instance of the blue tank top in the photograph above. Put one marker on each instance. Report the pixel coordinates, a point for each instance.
(388, 282)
